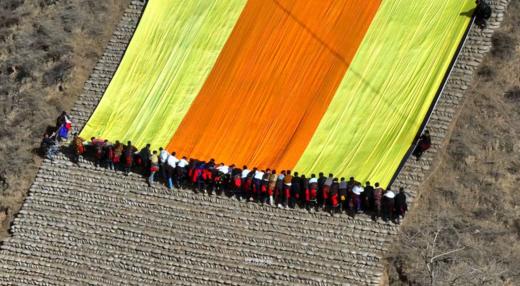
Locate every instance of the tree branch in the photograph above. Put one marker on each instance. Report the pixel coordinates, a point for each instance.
(446, 253)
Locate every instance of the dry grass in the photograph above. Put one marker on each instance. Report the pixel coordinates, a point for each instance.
(471, 205)
(47, 50)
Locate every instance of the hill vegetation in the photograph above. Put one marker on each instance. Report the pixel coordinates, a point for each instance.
(47, 50)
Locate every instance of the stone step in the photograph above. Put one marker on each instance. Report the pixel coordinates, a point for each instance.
(161, 258)
(252, 211)
(353, 244)
(125, 266)
(236, 235)
(50, 269)
(116, 180)
(55, 268)
(19, 277)
(338, 235)
(223, 203)
(207, 245)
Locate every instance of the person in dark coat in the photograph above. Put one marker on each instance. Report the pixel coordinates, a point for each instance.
(325, 192)
(388, 205)
(61, 119)
(169, 174)
(305, 195)
(128, 157)
(49, 146)
(279, 194)
(321, 181)
(367, 198)
(400, 205)
(482, 13)
(144, 159)
(295, 190)
(108, 155)
(199, 176)
(425, 142)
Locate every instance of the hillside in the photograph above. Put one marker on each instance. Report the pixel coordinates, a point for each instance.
(47, 50)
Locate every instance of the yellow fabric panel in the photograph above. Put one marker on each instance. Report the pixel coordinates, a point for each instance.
(167, 62)
(388, 89)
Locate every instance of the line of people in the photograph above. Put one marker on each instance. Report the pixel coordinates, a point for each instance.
(284, 189)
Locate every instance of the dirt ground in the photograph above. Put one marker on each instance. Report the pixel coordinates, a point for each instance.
(47, 50)
(465, 227)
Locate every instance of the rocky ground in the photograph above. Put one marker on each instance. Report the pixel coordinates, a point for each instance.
(47, 50)
(465, 227)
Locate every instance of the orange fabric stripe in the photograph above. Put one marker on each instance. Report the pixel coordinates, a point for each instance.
(273, 81)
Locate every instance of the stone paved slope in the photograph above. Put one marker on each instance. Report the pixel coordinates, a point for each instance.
(89, 226)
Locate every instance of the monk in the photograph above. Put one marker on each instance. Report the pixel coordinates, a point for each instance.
(287, 183)
(128, 155)
(279, 190)
(118, 152)
(400, 205)
(425, 142)
(313, 192)
(378, 196)
(325, 192)
(77, 148)
(334, 197)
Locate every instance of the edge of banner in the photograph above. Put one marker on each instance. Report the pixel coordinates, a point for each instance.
(436, 100)
(119, 64)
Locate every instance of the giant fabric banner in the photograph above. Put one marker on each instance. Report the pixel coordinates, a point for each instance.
(335, 86)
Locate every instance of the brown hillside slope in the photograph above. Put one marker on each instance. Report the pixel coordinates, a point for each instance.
(465, 226)
(47, 50)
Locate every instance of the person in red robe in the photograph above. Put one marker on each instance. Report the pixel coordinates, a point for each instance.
(334, 197)
(313, 192)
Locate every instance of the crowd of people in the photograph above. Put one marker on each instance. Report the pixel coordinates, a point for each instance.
(284, 189)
